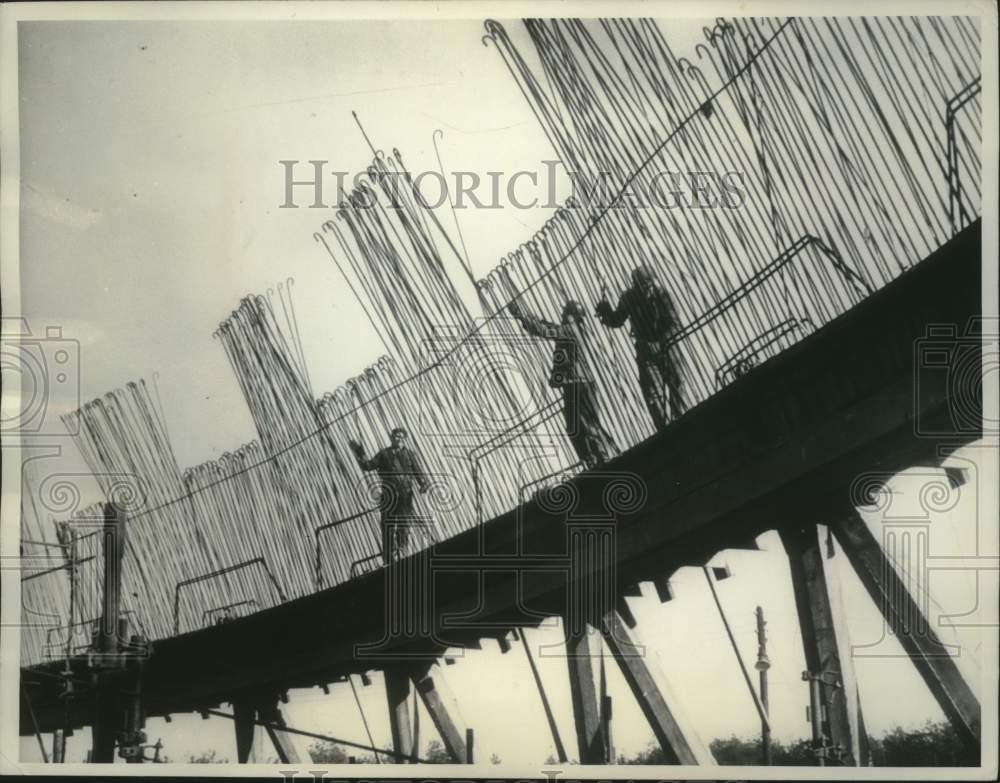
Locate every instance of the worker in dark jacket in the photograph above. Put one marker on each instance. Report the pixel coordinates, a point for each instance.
(399, 468)
(653, 320)
(572, 372)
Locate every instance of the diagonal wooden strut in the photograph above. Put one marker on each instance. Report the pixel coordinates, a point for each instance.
(442, 706)
(249, 712)
(673, 730)
(549, 717)
(902, 614)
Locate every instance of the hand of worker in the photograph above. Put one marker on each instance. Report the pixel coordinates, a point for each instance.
(356, 447)
(514, 308)
(603, 309)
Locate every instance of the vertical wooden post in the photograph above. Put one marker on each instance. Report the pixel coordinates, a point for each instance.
(107, 723)
(591, 593)
(819, 639)
(909, 625)
(397, 692)
(442, 706)
(244, 722)
(582, 649)
(859, 741)
(58, 747)
(673, 731)
(864, 747)
(606, 735)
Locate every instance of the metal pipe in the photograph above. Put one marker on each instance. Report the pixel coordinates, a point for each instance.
(364, 720)
(763, 664)
(113, 542)
(732, 640)
(816, 717)
(72, 596)
(560, 750)
(63, 567)
(34, 723)
(58, 746)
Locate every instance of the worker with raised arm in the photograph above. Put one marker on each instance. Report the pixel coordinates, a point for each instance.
(572, 372)
(650, 312)
(399, 468)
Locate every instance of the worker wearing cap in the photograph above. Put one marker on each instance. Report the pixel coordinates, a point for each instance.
(653, 320)
(571, 372)
(399, 468)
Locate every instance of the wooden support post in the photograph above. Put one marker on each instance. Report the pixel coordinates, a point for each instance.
(673, 731)
(397, 692)
(415, 748)
(590, 594)
(283, 746)
(270, 714)
(107, 723)
(244, 721)
(606, 735)
(58, 747)
(251, 711)
(819, 639)
(442, 706)
(864, 748)
(133, 737)
(852, 695)
(909, 625)
(583, 649)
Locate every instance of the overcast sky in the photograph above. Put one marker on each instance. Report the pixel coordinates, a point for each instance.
(150, 194)
(151, 186)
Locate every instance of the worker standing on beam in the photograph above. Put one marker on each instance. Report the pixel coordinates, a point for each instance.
(571, 372)
(653, 321)
(399, 468)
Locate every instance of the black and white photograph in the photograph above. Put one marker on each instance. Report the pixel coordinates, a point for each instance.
(549, 390)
